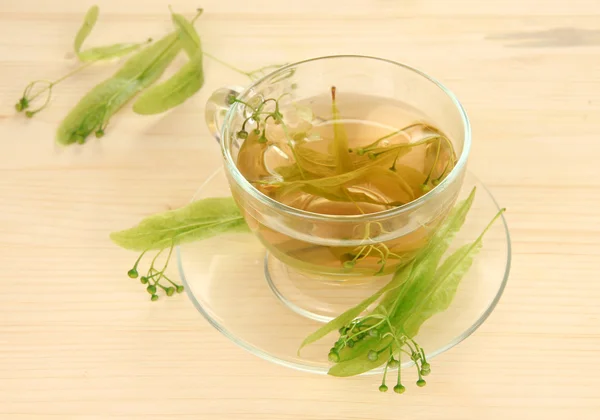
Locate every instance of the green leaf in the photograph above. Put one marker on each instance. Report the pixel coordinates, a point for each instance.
(108, 52)
(343, 319)
(94, 110)
(150, 63)
(188, 36)
(319, 165)
(183, 84)
(401, 301)
(174, 91)
(340, 139)
(402, 294)
(199, 220)
(315, 162)
(444, 236)
(355, 366)
(98, 53)
(89, 21)
(336, 187)
(417, 292)
(360, 348)
(442, 289)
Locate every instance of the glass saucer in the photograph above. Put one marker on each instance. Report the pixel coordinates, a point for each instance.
(233, 283)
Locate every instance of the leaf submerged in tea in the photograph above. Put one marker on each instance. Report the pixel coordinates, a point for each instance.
(331, 154)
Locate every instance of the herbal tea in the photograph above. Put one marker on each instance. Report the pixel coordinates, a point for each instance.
(343, 155)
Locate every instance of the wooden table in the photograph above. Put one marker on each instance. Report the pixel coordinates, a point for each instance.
(78, 340)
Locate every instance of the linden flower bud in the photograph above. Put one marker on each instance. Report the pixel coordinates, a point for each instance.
(151, 289)
(383, 388)
(421, 383)
(373, 355)
(399, 389)
(180, 289)
(154, 298)
(349, 264)
(133, 274)
(333, 356)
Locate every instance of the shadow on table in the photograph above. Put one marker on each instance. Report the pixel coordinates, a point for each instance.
(556, 37)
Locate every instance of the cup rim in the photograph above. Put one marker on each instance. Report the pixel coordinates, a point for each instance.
(268, 201)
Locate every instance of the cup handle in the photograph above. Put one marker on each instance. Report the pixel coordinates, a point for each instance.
(217, 107)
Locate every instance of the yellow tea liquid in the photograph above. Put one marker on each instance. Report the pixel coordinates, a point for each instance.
(352, 155)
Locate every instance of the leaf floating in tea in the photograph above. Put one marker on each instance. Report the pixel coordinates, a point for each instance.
(340, 139)
(382, 167)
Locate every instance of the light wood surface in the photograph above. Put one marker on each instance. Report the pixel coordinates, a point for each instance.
(78, 340)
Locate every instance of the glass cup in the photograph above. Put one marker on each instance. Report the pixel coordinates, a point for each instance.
(305, 247)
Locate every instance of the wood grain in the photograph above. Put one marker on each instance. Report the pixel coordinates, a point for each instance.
(78, 340)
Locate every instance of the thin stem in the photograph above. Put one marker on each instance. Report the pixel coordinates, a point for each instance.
(60, 79)
(249, 74)
(437, 156)
(399, 367)
(439, 178)
(405, 352)
(407, 145)
(387, 136)
(360, 251)
(218, 60)
(139, 259)
(78, 69)
(154, 259)
(293, 148)
(366, 329)
(263, 68)
(347, 194)
(246, 104)
(393, 167)
(385, 371)
(170, 281)
(168, 258)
